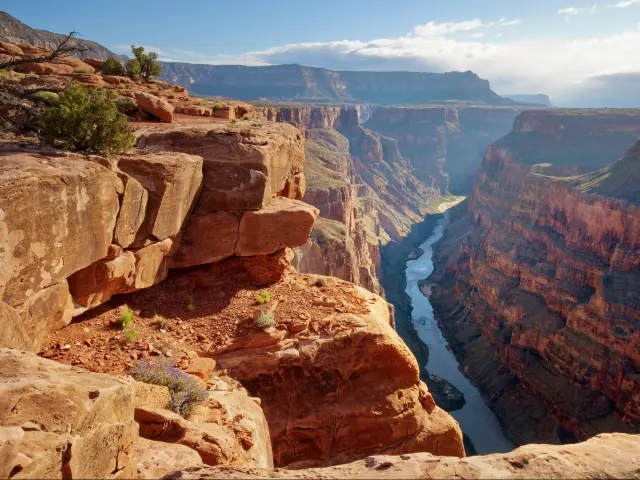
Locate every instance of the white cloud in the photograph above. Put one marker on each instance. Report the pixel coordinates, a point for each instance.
(561, 67)
(574, 11)
(477, 35)
(625, 4)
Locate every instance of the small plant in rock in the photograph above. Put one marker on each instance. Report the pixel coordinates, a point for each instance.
(264, 321)
(202, 102)
(263, 297)
(321, 282)
(87, 120)
(161, 322)
(111, 66)
(217, 106)
(130, 333)
(186, 391)
(125, 320)
(190, 301)
(83, 70)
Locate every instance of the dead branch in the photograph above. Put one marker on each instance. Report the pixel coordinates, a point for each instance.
(69, 46)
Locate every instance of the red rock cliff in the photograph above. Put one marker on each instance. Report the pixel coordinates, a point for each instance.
(544, 273)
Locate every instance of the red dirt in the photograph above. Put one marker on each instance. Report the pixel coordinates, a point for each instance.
(221, 319)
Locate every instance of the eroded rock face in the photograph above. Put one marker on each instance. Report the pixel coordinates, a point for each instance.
(63, 421)
(324, 400)
(545, 278)
(155, 106)
(605, 456)
(243, 168)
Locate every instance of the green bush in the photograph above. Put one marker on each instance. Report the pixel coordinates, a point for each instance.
(83, 70)
(149, 65)
(86, 120)
(132, 68)
(51, 96)
(126, 105)
(321, 282)
(263, 297)
(264, 321)
(186, 391)
(202, 102)
(125, 320)
(217, 106)
(130, 333)
(111, 66)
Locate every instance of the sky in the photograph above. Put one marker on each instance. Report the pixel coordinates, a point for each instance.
(577, 52)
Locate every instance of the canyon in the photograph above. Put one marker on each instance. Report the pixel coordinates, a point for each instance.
(535, 279)
(226, 213)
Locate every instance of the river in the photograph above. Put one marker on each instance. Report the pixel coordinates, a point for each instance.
(475, 418)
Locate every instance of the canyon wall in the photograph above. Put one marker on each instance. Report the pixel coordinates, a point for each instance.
(445, 143)
(536, 280)
(308, 84)
(366, 192)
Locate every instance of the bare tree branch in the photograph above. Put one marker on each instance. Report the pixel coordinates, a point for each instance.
(69, 46)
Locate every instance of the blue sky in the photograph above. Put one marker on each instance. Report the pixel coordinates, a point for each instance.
(550, 46)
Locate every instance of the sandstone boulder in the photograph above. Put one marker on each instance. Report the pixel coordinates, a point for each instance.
(95, 63)
(605, 456)
(44, 312)
(77, 64)
(52, 81)
(44, 68)
(283, 223)
(87, 79)
(214, 444)
(243, 169)
(117, 80)
(155, 106)
(266, 269)
(66, 224)
(74, 424)
(157, 459)
(132, 270)
(322, 395)
(172, 181)
(11, 49)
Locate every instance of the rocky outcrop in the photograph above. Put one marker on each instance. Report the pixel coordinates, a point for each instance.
(63, 422)
(307, 84)
(606, 456)
(155, 106)
(99, 227)
(536, 285)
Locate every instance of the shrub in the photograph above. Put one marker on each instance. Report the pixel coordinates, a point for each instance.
(130, 333)
(191, 302)
(126, 105)
(321, 282)
(51, 96)
(161, 322)
(202, 102)
(125, 320)
(264, 321)
(4, 73)
(263, 297)
(217, 106)
(246, 117)
(111, 66)
(149, 65)
(186, 391)
(132, 68)
(86, 120)
(83, 70)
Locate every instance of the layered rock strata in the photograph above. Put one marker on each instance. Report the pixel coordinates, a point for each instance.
(536, 289)
(367, 193)
(96, 227)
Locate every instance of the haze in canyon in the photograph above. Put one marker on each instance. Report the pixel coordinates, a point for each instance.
(320, 240)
